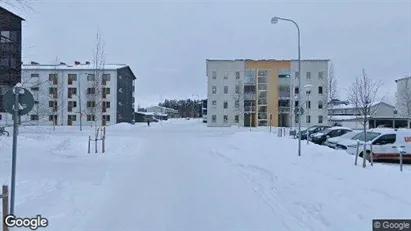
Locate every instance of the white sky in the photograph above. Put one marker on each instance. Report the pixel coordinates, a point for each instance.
(166, 42)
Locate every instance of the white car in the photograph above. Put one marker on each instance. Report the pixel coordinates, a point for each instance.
(332, 142)
(384, 144)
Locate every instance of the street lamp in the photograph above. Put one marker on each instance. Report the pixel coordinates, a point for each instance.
(275, 20)
(308, 93)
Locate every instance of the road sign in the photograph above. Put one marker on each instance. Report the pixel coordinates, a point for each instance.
(26, 101)
(299, 111)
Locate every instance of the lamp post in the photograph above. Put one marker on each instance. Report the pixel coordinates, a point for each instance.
(308, 93)
(275, 20)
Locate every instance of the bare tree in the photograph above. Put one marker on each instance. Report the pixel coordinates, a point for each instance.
(363, 95)
(96, 91)
(331, 90)
(404, 100)
(238, 97)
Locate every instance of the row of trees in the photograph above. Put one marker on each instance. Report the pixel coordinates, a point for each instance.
(186, 108)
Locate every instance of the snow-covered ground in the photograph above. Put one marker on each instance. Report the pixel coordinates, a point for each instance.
(181, 175)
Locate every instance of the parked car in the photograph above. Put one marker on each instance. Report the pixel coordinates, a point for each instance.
(312, 130)
(321, 137)
(332, 142)
(385, 144)
(345, 144)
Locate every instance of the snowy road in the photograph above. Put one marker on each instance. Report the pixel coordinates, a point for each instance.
(177, 184)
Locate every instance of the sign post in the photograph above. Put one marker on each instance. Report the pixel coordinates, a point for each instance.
(17, 101)
(271, 118)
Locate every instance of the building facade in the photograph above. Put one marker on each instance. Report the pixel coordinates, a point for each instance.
(403, 97)
(10, 51)
(264, 92)
(65, 94)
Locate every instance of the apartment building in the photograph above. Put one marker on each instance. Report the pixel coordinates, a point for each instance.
(10, 51)
(262, 92)
(65, 94)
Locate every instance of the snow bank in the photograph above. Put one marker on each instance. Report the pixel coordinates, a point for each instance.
(322, 189)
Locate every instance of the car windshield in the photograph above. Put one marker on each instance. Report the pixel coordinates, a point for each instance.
(325, 131)
(348, 135)
(370, 136)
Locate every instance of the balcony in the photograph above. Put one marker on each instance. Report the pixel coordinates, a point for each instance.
(284, 110)
(249, 108)
(250, 81)
(284, 95)
(250, 95)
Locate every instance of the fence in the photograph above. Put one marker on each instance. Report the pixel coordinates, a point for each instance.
(99, 136)
(5, 204)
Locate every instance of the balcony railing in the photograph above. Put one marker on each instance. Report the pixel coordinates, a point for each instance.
(250, 96)
(284, 110)
(285, 94)
(249, 108)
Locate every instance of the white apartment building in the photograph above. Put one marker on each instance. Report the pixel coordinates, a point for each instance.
(65, 94)
(264, 92)
(403, 97)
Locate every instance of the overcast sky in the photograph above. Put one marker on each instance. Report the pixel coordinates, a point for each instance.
(166, 42)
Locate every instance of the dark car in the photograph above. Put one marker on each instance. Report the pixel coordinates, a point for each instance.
(321, 137)
(313, 130)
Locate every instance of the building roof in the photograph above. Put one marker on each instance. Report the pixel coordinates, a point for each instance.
(352, 106)
(303, 60)
(409, 77)
(70, 67)
(11, 13)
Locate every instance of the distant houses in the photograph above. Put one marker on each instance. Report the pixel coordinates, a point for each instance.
(155, 114)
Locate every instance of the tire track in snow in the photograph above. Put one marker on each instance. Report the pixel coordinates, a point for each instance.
(269, 200)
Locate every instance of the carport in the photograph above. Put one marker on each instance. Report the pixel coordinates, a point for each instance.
(387, 122)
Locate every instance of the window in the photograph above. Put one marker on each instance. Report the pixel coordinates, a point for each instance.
(308, 119)
(296, 103)
(225, 104)
(320, 104)
(385, 139)
(214, 74)
(91, 77)
(72, 117)
(53, 78)
(72, 91)
(53, 91)
(296, 91)
(237, 89)
(35, 75)
(237, 103)
(53, 104)
(225, 89)
(214, 102)
(237, 75)
(70, 105)
(296, 119)
(52, 118)
(106, 118)
(34, 88)
(214, 118)
(91, 90)
(91, 104)
(71, 78)
(237, 119)
(5, 37)
(308, 104)
(297, 74)
(308, 75)
(91, 117)
(36, 102)
(214, 90)
(225, 119)
(307, 92)
(225, 75)
(262, 72)
(320, 119)
(34, 117)
(320, 90)
(321, 75)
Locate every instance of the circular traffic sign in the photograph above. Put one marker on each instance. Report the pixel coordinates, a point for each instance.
(26, 101)
(299, 111)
